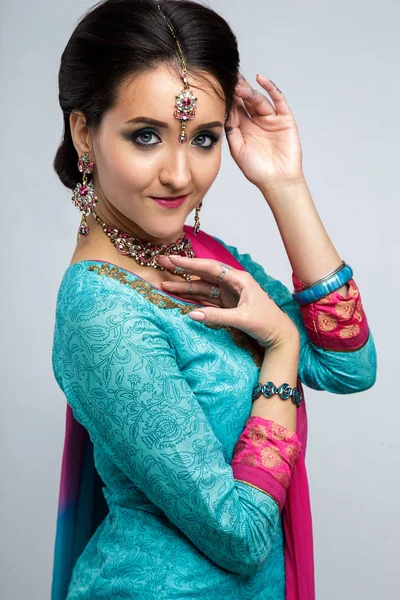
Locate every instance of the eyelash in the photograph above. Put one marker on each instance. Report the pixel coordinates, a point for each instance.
(213, 137)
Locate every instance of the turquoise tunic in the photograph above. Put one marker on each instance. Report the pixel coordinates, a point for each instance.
(165, 399)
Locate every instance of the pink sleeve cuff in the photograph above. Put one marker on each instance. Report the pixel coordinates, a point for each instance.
(334, 322)
(264, 457)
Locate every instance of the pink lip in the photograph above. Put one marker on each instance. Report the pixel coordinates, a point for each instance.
(170, 202)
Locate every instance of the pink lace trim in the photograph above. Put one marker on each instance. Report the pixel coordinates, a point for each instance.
(335, 322)
(265, 455)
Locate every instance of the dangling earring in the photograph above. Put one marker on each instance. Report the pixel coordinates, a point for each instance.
(196, 218)
(84, 196)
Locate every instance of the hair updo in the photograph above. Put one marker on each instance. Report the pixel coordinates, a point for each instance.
(116, 39)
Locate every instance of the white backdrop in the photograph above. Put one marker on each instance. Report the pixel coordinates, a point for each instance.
(338, 65)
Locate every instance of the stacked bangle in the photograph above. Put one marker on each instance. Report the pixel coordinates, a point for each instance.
(324, 286)
(284, 391)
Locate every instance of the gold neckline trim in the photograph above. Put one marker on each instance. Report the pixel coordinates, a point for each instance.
(163, 300)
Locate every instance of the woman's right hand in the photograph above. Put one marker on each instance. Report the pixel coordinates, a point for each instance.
(242, 302)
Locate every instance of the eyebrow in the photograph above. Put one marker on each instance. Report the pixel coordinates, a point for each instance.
(157, 123)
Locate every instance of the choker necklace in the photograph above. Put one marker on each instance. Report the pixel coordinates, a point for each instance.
(144, 252)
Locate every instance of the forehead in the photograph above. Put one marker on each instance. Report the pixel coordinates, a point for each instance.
(152, 93)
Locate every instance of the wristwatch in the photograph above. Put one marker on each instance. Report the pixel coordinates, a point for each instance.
(284, 391)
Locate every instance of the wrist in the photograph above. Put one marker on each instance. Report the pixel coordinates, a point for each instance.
(290, 346)
(283, 189)
(280, 365)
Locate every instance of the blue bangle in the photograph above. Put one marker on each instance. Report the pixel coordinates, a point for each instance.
(324, 288)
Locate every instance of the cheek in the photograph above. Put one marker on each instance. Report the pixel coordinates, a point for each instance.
(123, 168)
(206, 169)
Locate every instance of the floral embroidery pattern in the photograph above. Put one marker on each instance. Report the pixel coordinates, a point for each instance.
(326, 322)
(265, 455)
(334, 322)
(163, 301)
(164, 405)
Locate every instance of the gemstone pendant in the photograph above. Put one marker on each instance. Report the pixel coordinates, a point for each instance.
(83, 227)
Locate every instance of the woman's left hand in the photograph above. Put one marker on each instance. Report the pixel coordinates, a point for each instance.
(266, 144)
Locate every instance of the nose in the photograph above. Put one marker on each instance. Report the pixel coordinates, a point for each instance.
(176, 171)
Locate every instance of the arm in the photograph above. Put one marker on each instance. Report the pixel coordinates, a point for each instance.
(309, 249)
(340, 365)
(120, 376)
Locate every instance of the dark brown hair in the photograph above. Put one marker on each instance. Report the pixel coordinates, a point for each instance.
(116, 39)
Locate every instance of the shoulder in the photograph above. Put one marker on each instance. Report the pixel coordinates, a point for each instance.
(94, 291)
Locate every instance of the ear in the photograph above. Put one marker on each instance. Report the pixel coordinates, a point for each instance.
(80, 134)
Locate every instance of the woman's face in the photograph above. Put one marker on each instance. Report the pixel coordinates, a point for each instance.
(138, 156)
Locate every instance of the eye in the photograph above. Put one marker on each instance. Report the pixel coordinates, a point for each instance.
(144, 137)
(206, 140)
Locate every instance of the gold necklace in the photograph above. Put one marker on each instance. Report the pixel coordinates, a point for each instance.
(144, 252)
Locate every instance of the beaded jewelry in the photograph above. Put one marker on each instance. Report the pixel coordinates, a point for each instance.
(84, 197)
(186, 101)
(284, 391)
(144, 252)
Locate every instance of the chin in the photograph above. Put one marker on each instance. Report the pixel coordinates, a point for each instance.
(169, 232)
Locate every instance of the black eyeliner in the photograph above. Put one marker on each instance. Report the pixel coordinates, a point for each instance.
(136, 134)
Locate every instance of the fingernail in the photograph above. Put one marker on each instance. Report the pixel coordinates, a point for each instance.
(197, 315)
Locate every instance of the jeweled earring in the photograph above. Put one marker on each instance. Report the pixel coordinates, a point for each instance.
(196, 218)
(84, 196)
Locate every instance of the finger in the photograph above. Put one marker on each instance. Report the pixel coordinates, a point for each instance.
(232, 129)
(255, 102)
(233, 126)
(281, 105)
(207, 303)
(223, 316)
(202, 300)
(198, 288)
(165, 261)
(207, 268)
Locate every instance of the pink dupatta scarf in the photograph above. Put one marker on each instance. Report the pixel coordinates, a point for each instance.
(296, 513)
(81, 505)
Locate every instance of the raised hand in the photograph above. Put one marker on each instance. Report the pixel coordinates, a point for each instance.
(242, 302)
(263, 136)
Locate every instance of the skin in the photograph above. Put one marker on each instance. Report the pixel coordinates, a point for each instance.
(126, 174)
(264, 142)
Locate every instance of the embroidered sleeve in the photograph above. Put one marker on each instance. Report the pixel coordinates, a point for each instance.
(120, 376)
(265, 456)
(335, 322)
(340, 370)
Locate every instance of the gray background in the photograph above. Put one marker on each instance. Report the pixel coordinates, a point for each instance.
(338, 64)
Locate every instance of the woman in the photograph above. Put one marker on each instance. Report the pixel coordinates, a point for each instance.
(181, 359)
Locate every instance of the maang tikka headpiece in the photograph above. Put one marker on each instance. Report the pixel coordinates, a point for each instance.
(185, 102)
